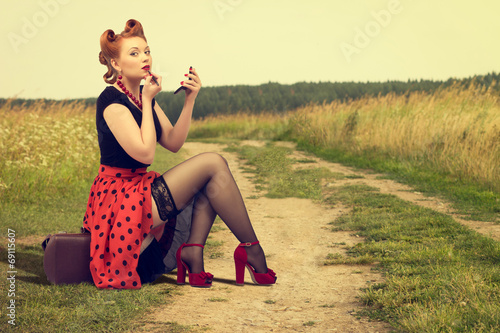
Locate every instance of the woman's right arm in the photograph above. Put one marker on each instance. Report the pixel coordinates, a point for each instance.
(138, 142)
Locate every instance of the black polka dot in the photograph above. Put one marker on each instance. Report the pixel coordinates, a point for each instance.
(124, 262)
(113, 236)
(97, 247)
(101, 234)
(133, 207)
(102, 274)
(122, 207)
(133, 170)
(118, 174)
(113, 192)
(127, 218)
(105, 191)
(108, 264)
(119, 224)
(123, 190)
(122, 237)
(97, 227)
(129, 247)
(101, 256)
(139, 225)
(135, 256)
(110, 280)
(123, 283)
(117, 272)
(120, 250)
(149, 216)
(102, 169)
(137, 242)
(145, 188)
(130, 231)
(127, 196)
(107, 249)
(134, 284)
(129, 273)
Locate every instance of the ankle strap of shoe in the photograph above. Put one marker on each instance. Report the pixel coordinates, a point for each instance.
(186, 245)
(248, 244)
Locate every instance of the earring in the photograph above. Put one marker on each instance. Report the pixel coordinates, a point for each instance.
(120, 77)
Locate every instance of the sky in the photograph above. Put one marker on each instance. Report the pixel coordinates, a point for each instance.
(50, 47)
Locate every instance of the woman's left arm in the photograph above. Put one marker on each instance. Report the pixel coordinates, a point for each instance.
(173, 137)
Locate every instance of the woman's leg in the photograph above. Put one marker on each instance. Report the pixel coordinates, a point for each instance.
(209, 175)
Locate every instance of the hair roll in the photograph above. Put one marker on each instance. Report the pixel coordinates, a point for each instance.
(110, 46)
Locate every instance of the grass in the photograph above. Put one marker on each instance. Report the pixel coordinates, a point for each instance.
(274, 172)
(439, 275)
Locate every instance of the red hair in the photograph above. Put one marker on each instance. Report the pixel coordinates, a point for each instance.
(111, 43)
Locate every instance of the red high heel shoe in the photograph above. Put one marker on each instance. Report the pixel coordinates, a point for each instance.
(241, 260)
(202, 280)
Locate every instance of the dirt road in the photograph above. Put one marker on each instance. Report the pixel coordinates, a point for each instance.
(308, 296)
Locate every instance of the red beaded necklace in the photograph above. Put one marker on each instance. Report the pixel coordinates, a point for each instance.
(137, 102)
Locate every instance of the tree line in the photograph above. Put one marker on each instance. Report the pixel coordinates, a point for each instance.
(279, 98)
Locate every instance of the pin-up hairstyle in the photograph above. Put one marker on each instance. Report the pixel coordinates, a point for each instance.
(110, 46)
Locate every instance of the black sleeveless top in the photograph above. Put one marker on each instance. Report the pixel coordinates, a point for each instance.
(112, 153)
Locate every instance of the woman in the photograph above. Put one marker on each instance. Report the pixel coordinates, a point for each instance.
(128, 206)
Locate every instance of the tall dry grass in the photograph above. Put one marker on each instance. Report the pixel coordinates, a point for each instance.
(45, 148)
(241, 126)
(455, 130)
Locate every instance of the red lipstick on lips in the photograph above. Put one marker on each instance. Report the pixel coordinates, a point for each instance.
(146, 67)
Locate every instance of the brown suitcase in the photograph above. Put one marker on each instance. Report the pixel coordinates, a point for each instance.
(67, 258)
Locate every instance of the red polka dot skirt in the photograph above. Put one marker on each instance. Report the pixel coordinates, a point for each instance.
(119, 218)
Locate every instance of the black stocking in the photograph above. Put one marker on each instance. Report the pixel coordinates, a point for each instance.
(208, 175)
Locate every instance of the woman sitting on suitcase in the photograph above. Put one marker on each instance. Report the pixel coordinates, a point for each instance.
(128, 206)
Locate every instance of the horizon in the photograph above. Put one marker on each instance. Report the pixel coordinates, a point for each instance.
(52, 47)
(270, 82)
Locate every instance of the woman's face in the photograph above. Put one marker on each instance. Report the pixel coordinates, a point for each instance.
(135, 58)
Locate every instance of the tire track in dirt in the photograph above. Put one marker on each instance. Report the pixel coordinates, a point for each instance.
(308, 296)
(402, 191)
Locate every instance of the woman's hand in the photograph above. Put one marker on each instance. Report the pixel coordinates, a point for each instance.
(150, 88)
(193, 86)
